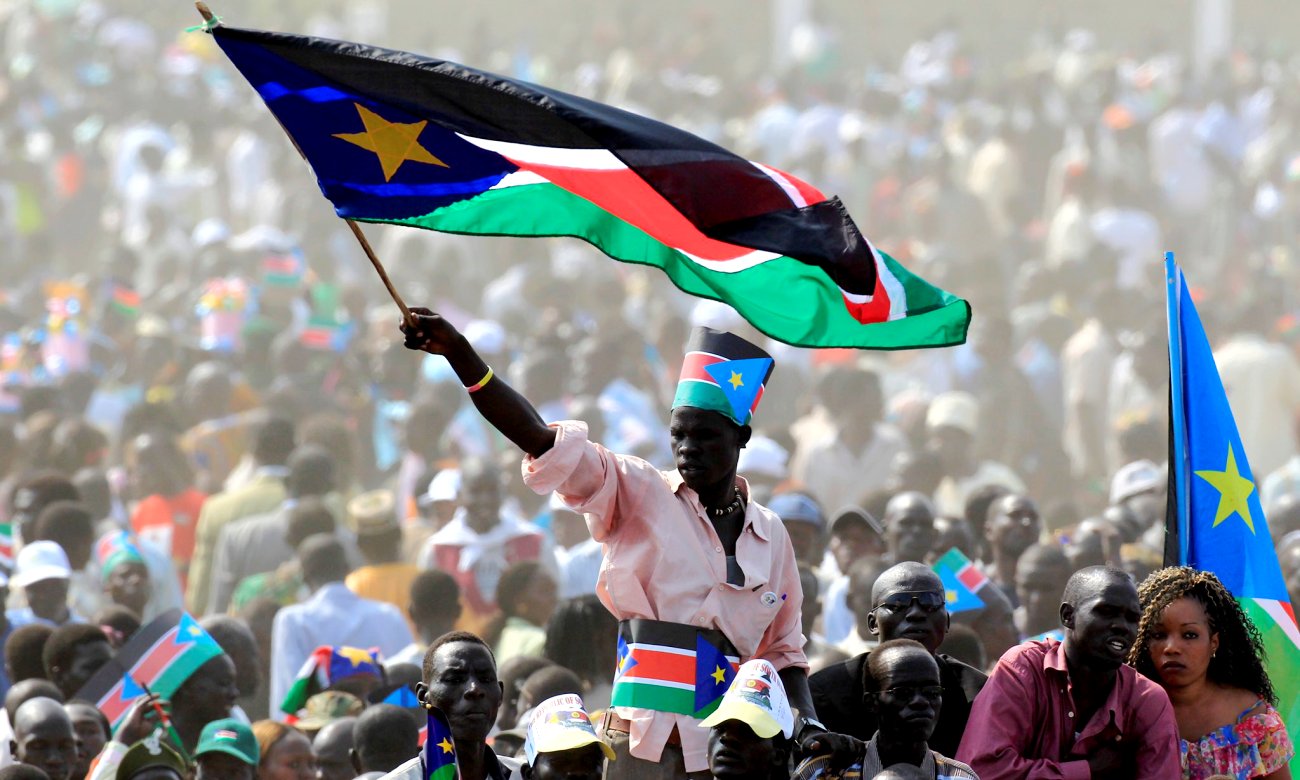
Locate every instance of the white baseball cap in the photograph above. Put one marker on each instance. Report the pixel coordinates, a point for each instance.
(756, 697)
(561, 723)
(41, 561)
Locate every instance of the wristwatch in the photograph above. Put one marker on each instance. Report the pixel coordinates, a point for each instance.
(803, 723)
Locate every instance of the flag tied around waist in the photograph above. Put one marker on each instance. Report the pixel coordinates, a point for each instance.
(403, 139)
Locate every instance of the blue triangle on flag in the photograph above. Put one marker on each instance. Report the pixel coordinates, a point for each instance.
(131, 690)
(188, 631)
(713, 673)
(625, 659)
(741, 381)
(403, 697)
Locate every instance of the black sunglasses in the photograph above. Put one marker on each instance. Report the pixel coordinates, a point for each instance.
(909, 692)
(928, 600)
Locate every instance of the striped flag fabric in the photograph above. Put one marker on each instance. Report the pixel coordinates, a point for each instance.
(325, 666)
(7, 546)
(961, 581)
(161, 656)
(670, 679)
(1216, 522)
(403, 139)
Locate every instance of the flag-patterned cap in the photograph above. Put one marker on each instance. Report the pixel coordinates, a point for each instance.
(756, 697)
(723, 373)
(561, 723)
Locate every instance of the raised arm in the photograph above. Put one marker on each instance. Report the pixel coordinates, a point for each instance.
(498, 402)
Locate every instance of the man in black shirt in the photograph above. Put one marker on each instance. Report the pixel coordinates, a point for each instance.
(908, 602)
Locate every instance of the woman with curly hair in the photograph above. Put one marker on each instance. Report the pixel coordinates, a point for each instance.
(1198, 643)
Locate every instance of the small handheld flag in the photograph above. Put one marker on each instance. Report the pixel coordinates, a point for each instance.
(439, 756)
(961, 581)
(325, 666)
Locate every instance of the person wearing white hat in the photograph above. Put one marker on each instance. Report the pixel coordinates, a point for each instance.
(561, 742)
(952, 424)
(44, 574)
(750, 731)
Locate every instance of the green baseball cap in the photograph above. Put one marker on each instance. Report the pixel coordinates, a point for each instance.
(151, 753)
(229, 736)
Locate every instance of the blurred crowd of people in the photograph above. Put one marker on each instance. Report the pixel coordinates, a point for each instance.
(207, 404)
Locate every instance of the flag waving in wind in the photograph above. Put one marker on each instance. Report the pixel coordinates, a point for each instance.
(408, 140)
(1216, 522)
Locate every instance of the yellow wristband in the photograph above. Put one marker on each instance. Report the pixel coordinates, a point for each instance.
(482, 382)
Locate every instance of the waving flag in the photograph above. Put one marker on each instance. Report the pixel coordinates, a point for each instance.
(1216, 522)
(162, 656)
(408, 140)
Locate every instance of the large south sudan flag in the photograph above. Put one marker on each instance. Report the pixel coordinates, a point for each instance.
(404, 139)
(1216, 522)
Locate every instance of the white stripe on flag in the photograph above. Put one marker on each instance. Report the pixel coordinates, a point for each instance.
(1282, 618)
(792, 191)
(582, 159)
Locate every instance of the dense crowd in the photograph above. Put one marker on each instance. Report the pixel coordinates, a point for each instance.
(208, 410)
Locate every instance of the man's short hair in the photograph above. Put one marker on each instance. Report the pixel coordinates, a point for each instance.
(1086, 582)
(65, 522)
(550, 681)
(435, 592)
(273, 442)
(384, 737)
(63, 644)
(25, 651)
(874, 668)
(448, 638)
(322, 559)
(308, 517)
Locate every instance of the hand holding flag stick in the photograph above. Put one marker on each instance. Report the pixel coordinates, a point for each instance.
(210, 20)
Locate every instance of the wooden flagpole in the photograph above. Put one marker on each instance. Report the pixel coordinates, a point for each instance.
(212, 21)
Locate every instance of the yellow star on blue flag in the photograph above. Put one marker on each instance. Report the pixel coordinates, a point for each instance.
(1234, 491)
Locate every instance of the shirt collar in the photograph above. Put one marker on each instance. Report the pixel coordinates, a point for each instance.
(1054, 661)
(754, 517)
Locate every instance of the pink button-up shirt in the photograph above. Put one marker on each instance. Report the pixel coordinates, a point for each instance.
(1022, 724)
(664, 561)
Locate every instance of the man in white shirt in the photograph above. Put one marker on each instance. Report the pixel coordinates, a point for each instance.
(333, 615)
(840, 467)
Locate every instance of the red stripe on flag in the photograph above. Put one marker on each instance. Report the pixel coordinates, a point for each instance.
(657, 665)
(159, 657)
(971, 577)
(877, 309)
(627, 196)
(693, 367)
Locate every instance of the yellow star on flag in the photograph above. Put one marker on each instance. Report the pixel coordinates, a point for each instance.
(356, 655)
(735, 381)
(393, 142)
(445, 744)
(1234, 491)
(718, 675)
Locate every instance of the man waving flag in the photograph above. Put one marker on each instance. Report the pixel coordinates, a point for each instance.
(1216, 522)
(408, 140)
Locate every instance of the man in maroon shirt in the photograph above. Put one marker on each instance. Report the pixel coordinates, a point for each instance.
(1072, 709)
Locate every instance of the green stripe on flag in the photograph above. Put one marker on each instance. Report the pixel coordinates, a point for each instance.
(784, 298)
(182, 668)
(1283, 664)
(660, 698)
(446, 772)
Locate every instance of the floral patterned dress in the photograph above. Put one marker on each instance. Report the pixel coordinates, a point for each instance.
(1255, 746)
